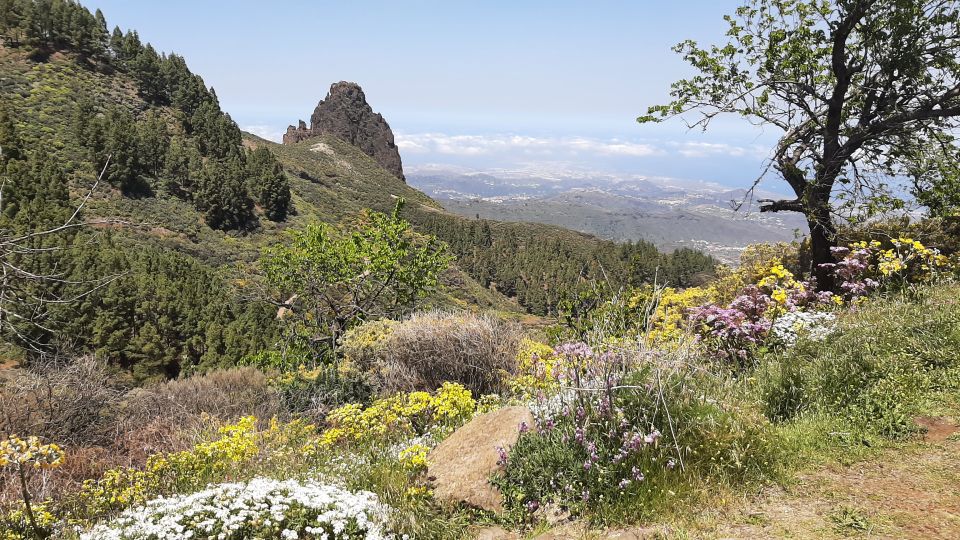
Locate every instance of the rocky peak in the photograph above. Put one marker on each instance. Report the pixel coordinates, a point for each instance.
(345, 113)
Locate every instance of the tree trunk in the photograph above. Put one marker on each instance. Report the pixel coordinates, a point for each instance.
(823, 236)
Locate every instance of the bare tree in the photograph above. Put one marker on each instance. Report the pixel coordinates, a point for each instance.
(25, 294)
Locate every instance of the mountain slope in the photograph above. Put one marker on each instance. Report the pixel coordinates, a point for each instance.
(182, 206)
(345, 114)
(327, 185)
(167, 303)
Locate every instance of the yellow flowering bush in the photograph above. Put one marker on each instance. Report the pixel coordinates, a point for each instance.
(781, 285)
(418, 492)
(926, 263)
(756, 260)
(361, 344)
(867, 265)
(23, 456)
(30, 452)
(536, 371)
(414, 457)
(15, 525)
(667, 323)
(232, 454)
(401, 414)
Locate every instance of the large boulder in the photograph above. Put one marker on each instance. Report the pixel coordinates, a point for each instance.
(460, 467)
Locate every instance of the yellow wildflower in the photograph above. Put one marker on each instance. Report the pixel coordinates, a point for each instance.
(414, 457)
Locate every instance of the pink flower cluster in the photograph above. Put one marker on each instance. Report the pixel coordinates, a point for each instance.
(587, 417)
(853, 270)
(734, 331)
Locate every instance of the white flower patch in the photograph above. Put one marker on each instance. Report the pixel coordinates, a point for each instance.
(261, 508)
(813, 325)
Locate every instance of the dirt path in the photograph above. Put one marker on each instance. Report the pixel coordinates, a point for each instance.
(913, 492)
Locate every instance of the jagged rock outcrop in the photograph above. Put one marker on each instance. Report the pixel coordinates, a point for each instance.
(345, 113)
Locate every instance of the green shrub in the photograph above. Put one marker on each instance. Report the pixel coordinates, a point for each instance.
(317, 391)
(624, 453)
(364, 345)
(875, 372)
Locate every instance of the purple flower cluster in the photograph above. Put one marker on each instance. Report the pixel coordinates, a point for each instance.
(854, 270)
(732, 332)
(741, 322)
(574, 349)
(610, 446)
(502, 456)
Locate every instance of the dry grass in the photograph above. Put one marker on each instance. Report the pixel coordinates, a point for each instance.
(225, 394)
(906, 492)
(102, 426)
(60, 400)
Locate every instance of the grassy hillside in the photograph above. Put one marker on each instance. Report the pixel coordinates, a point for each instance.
(537, 265)
(329, 180)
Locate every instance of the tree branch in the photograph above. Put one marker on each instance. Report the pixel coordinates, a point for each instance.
(771, 205)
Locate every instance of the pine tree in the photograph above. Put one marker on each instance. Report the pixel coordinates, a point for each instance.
(182, 166)
(11, 147)
(186, 91)
(83, 121)
(116, 46)
(222, 196)
(101, 33)
(216, 133)
(268, 183)
(35, 200)
(145, 68)
(129, 47)
(154, 141)
(115, 138)
(10, 18)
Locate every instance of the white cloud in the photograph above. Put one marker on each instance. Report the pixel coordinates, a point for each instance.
(614, 147)
(271, 133)
(473, 145)
(705, 149)
(544, 147)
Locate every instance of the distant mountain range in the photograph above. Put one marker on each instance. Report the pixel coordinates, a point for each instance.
(668, 212)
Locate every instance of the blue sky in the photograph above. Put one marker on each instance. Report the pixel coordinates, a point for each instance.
(478, 84)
